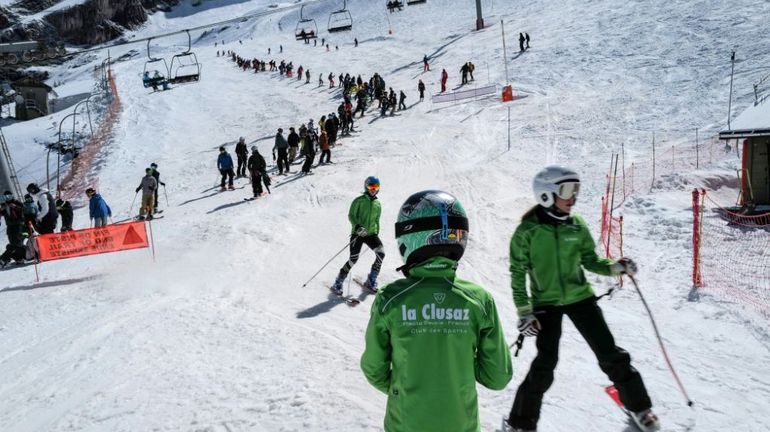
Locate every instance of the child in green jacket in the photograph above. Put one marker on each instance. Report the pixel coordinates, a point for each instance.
(432, 336)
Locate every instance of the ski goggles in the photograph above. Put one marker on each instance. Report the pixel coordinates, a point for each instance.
(373, 187)
(568, 190)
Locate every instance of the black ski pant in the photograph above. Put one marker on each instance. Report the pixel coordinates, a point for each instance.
(308, 162)
(256, 184)
(15, 236)
(48, 224)
(283, 160)
(241, 170)
(227, 174)
(356, 242)
(613, 360)
(67, 217)
(327, 154)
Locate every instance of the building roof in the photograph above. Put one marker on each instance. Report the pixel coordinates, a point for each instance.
(755, 121)
(29, 82)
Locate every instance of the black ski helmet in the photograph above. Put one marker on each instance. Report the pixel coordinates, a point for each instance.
(431, 223)
(33, 188)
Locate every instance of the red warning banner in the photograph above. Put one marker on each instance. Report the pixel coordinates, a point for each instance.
(93, 241)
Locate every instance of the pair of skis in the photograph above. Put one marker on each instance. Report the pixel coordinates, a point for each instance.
(352, 301)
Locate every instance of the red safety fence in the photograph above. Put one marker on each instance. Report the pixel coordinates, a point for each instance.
(731, 254)
(93, 241)
(83, 173)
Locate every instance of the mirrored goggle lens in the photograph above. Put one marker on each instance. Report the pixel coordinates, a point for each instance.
(568, 190)
(373, 187)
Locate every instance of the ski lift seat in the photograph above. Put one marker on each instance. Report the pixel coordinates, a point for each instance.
(395, 4)
(414, 2)
(153, 81)
(305, 35)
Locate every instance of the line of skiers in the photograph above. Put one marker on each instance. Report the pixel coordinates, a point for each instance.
(432, 315)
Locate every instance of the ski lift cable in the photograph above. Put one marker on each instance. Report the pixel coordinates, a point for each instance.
(177, 32)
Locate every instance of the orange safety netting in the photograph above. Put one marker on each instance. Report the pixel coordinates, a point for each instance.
(82, 174)
(731, 254)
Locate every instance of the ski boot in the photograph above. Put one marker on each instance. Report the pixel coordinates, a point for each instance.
(371, 282)
(508, 428)
(646, 420)
(231, 187)
(337, 287)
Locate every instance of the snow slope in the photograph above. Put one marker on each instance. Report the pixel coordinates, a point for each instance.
(218, 335)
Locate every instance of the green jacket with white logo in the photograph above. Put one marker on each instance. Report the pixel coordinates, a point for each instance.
(430, 338)
(553, 254)
(365, 211)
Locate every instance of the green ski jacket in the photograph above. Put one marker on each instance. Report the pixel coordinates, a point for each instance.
(553, 256)
(430, 338)
(365, 211)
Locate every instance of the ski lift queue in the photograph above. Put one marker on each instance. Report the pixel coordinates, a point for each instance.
(185, 67)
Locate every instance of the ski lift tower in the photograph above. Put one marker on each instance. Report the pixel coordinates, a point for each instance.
(8, 179)
(479, 17)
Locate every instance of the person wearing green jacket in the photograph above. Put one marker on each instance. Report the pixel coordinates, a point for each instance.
(364, 217)
(432, 336)
(552, 248)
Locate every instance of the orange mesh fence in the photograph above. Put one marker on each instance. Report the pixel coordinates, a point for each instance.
(644, 171)
(731, 254)
(83, 172)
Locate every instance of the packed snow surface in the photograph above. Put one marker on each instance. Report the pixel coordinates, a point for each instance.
(218, 335)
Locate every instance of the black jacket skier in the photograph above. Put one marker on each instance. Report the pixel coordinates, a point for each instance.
(65, 210)
(257, 168)
(243, 154)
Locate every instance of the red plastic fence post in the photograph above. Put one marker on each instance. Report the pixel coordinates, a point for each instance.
(696, 275)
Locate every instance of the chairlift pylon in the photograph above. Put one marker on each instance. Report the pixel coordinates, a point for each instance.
(341, 20)
(306, 27)
(184, 66)
(152, 65)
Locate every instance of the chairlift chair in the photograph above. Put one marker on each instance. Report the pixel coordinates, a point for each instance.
(341, 20)
(155, 70)
(394, 5)
(184, 66)
(306, 27)
(415, 2)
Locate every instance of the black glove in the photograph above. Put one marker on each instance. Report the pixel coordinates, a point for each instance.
(361, 231)
(138, 189)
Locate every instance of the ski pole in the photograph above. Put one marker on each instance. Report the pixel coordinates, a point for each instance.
(132, 203)
(165, 194)
(660, 341)
(329, 262)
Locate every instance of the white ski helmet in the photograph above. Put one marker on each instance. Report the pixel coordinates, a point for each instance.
(551, 181)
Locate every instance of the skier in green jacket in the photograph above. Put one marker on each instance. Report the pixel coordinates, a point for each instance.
(431, 335)
(364, 217)
(551, 248)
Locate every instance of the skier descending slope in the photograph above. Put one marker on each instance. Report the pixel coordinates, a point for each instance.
(553, 247)
(364, 216)
(431, 335)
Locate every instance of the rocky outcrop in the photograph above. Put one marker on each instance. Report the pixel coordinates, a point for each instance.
(97, 21)
(91, 22)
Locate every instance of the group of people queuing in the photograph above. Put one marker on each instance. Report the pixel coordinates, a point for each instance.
(39, 214)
